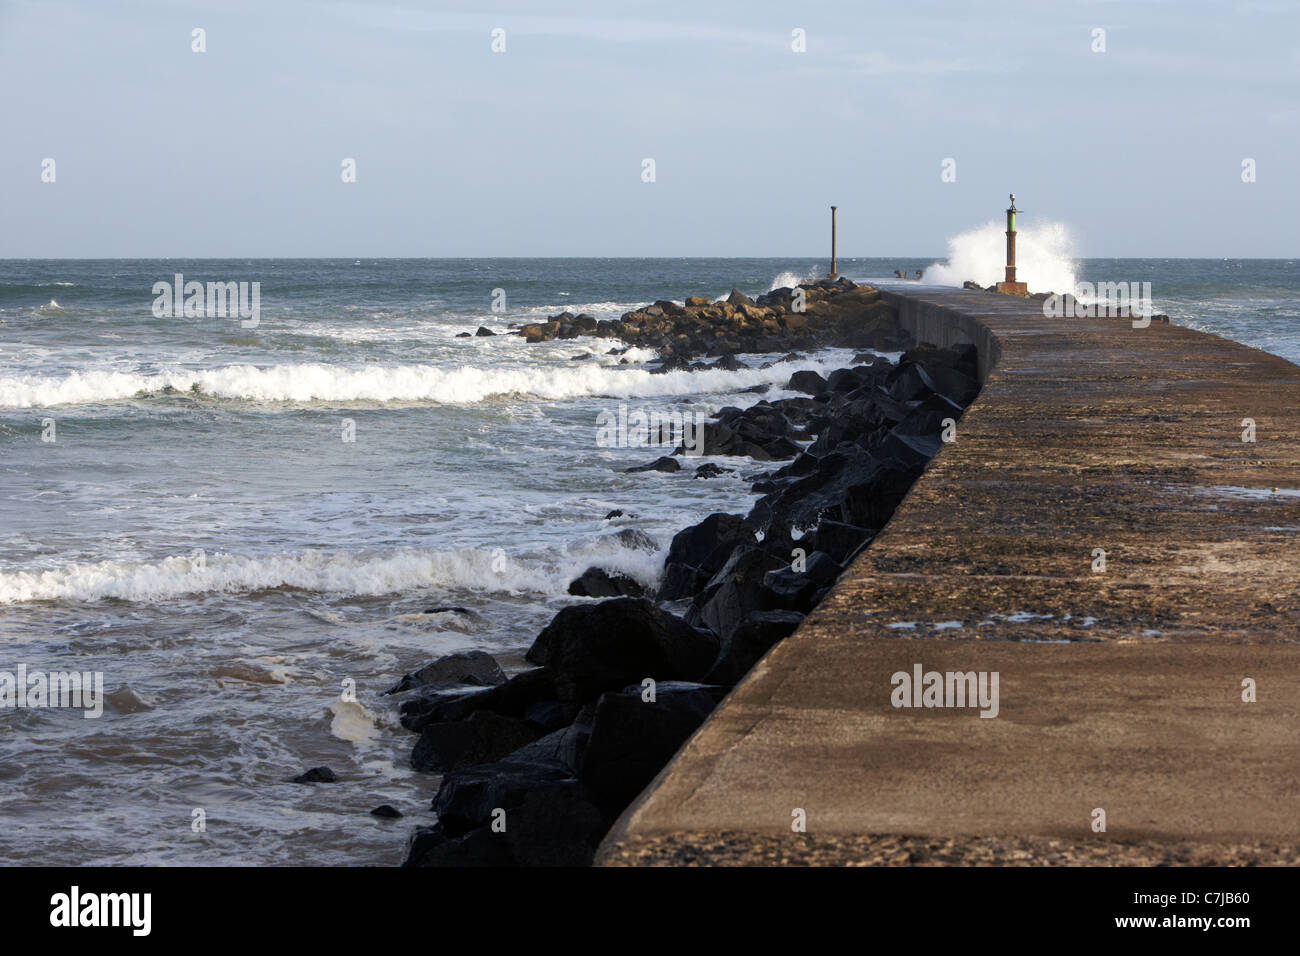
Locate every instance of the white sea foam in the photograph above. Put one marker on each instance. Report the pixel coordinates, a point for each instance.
(788, 279)
(465, 384)
(338, 573)
(1044, 257)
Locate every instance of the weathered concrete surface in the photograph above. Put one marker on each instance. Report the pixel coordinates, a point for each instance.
(1089, 434)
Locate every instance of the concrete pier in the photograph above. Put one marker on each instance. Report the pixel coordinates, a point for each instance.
(1121, 682)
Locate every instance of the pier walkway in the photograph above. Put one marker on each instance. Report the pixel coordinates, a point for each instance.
(1120, 685)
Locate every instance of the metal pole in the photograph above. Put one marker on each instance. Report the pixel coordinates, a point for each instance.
(834, 273)
(1011, 240)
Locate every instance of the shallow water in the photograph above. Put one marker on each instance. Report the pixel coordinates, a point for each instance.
(200, 531)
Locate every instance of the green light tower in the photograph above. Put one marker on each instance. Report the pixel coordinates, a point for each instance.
(1010, 286)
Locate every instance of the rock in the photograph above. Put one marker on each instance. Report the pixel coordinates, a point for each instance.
(635, 539)
(431, 846)
(632, 738)
(467, 798)
(876, 487)
(699, 551)
(481, 738)
(597, 582)
(591, 648)
(749, 641)
(664, 464)
(463, 335)
(807, 381)
(386, 812)
(514, 698)
(739, 298)
(710, 470)
(793, 590)
(446, 609)
(316, 775)
(616, 513)
(697, 301)
(556, 825)
(728, 363)
(736, 591)
(841, 541)
(484, 332)
(467, 667)
(581, 358)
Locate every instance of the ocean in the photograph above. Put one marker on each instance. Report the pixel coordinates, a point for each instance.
(243, 526)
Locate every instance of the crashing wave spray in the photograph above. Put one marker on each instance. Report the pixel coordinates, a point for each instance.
(1044, 257)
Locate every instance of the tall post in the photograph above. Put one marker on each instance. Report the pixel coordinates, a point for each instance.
(1011, 240)
(834, 273)
(1009, 285)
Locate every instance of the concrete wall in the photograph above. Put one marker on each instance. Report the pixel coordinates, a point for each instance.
(941, 325)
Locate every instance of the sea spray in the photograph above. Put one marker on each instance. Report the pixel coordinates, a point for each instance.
(1044, 257)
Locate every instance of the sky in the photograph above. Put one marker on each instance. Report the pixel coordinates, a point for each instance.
(540, 149)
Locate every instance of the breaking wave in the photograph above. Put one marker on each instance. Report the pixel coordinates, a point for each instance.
(1044, 257)
(461, 385)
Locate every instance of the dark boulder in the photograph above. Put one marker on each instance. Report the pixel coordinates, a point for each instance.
(697, 552)
(386, 812)
(599, 583)
(633, 738)
(749, 641)
(316, 775)
(514, 698)
(841, 541)
(664, 464)
(790, 589)
(466, 667)
(591, 648)
(484, 332)
(710, 470)
(635, 539)
(736, 591)
(481, 738)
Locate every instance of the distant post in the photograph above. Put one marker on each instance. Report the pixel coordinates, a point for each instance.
(834, 273)
(1010, 286)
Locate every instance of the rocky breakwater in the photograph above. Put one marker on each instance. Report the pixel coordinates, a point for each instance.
(818, 314)
(536, 768)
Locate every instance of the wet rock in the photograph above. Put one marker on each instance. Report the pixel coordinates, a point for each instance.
(467, 667)
(481, 738)
(386, 812)
(841, 541)
(484, 332)
(316, 775)
(591, 648)
(514, 698)
(633, 738)
(664, 464)
(710, 470)
(599, 583)
(806, 381)
(431, 846)
(791, 589)
(616, 513)
(736, 591)
(697, 552)
(636, 539)
(749, 641)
